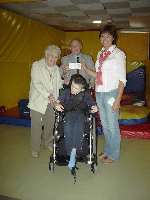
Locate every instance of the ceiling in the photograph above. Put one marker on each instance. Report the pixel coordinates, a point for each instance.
(74, 15)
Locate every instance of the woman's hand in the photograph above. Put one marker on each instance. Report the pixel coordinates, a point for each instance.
(116, 105)
(59, 107)
(94, 109)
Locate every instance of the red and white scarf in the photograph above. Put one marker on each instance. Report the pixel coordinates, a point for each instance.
(102, 57)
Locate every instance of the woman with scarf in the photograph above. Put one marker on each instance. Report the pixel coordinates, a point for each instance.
(110, 81)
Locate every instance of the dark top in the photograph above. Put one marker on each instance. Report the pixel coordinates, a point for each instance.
(80, 102)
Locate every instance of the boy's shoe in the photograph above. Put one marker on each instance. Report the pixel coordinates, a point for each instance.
(35, 154)
(72, 160)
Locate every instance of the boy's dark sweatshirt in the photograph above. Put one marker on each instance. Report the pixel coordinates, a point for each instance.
(81, 102)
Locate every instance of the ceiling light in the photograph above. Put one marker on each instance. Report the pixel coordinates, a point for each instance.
(97, 22)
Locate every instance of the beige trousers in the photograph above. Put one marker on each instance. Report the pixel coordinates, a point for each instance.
(38, 121)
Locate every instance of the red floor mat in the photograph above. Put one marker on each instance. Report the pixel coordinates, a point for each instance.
(12, 112)
(139, 131)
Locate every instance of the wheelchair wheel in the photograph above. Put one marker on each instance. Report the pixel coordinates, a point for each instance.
(93, 167)
(51, 164)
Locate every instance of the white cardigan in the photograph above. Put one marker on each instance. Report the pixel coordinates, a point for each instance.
(44, 81)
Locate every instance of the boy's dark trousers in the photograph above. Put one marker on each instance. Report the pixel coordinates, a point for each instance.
(73, 130)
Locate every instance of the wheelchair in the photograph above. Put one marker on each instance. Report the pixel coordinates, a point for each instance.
(88, 153)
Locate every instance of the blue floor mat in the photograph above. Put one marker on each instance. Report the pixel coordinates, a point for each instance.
(15, 121)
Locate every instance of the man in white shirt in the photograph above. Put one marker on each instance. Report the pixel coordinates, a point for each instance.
(44, 89)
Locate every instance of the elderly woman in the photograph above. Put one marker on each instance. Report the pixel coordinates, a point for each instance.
(110, 77)
(44, 89)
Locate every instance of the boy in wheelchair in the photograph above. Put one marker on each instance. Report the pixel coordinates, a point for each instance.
(75, 102)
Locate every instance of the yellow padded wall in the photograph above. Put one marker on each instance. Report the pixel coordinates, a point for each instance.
(135, 45)
(22, 41)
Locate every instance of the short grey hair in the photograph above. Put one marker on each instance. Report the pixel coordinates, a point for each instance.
(52, 50)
